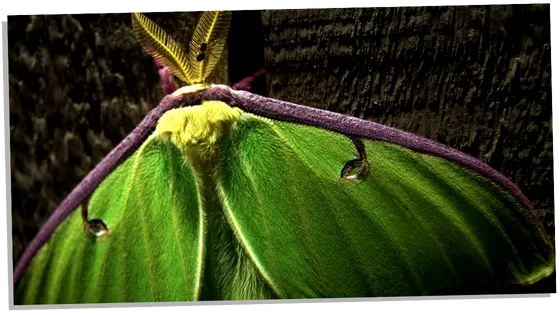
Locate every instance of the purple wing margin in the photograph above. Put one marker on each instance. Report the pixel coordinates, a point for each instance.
(262, 106)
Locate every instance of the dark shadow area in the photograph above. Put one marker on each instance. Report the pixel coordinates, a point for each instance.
(246, 49)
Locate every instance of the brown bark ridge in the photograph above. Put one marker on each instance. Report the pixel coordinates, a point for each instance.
(476, 78)
(78, 84)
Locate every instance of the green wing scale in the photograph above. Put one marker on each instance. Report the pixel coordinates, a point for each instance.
(219, 203)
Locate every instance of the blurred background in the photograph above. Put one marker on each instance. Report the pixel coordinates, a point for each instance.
(476, 78)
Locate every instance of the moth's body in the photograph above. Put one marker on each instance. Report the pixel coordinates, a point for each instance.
(198, 132)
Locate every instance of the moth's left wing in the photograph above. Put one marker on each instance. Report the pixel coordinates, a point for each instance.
(415, 225)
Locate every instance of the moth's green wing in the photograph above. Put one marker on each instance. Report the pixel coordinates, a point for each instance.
(150, 204)
(270, 219)
(416, 225)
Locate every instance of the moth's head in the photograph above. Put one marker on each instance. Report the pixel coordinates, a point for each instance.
(197, 130)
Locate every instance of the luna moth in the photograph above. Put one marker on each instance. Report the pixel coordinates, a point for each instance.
(222, 194)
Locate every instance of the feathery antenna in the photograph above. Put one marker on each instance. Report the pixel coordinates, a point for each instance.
(207, 43)
(161, 46)
(205, 48)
